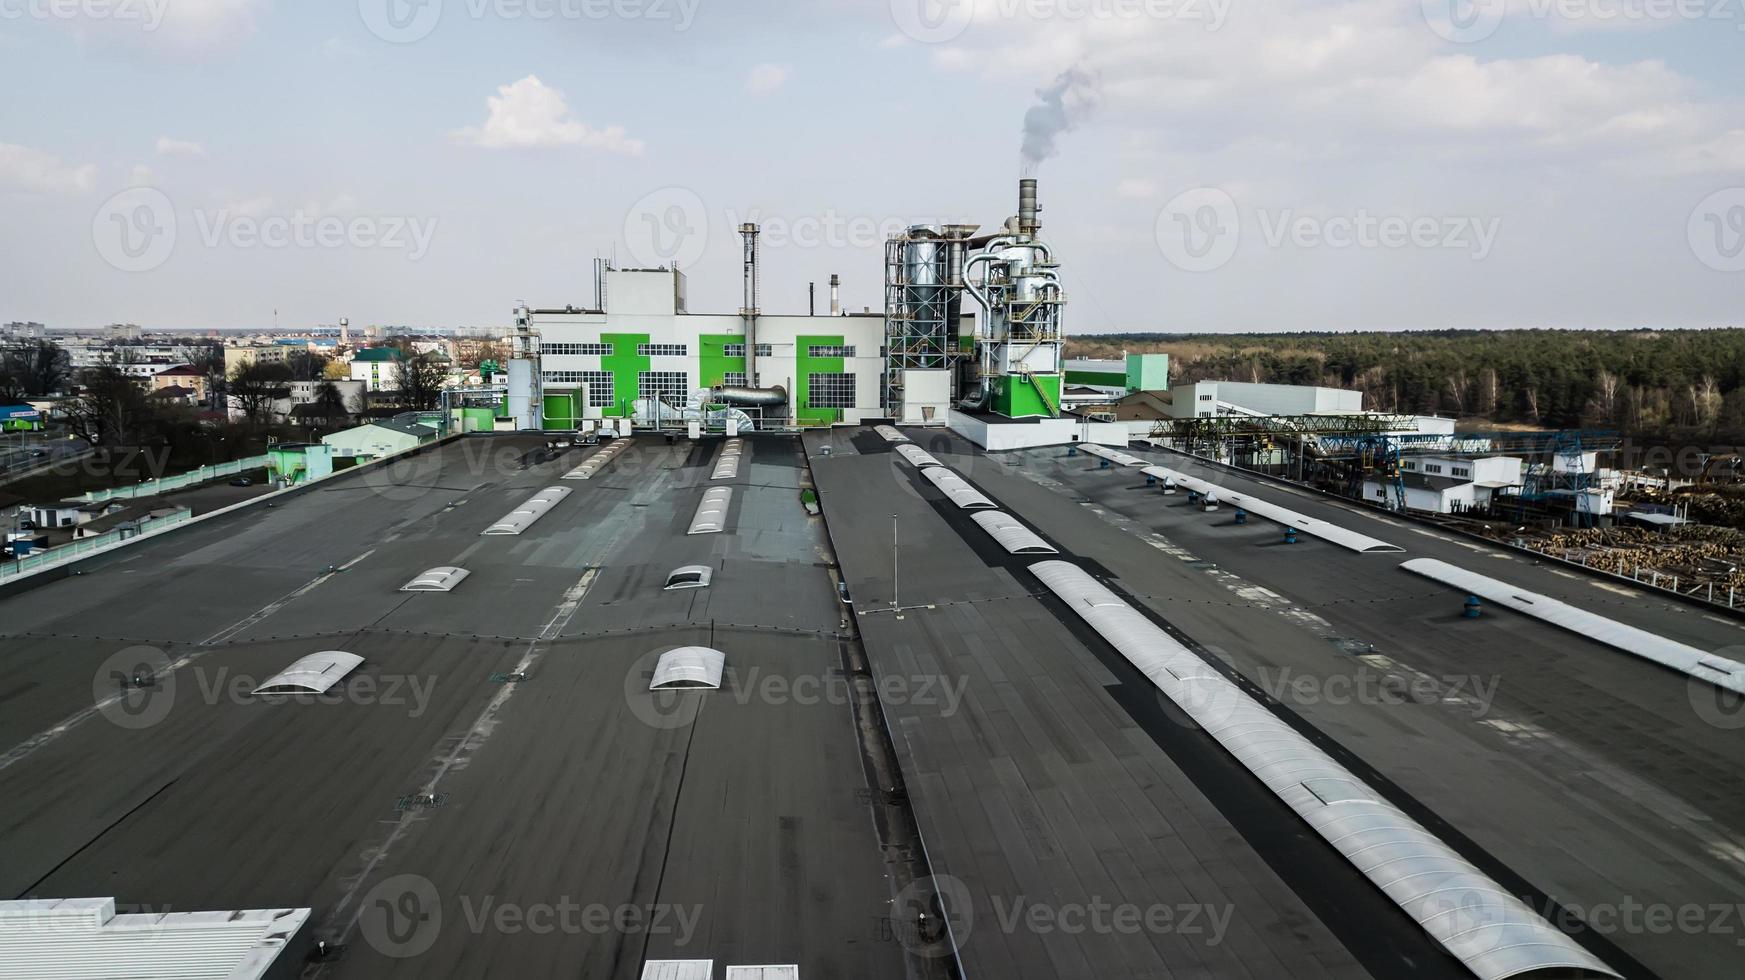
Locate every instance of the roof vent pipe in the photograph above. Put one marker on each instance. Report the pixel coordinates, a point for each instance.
(835, 294)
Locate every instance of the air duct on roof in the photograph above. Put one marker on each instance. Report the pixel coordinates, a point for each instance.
(313, 674)
(957, 489)
(1698, 663)
(711, 515)
(1012, 535)
(689, 667)
(1489, 930)
(442, 579)
(1273, 512)
(523, 517)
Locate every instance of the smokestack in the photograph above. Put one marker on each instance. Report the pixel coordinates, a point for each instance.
(749, 311)
(811, 299)
(835, 294)
(1027, 223)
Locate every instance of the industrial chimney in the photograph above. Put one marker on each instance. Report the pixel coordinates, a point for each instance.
(835, 294)
(1028, 226)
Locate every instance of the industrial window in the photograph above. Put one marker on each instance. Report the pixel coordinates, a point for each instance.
(736, 379)
(1205, 398)
(1462, 471)
(593, 350)
(830, 391)
(766, 350)
(661, 350)
(1432, 467)
(829, 351)
(564, 377)
(669, 386)
(599, 384)
(734, 350)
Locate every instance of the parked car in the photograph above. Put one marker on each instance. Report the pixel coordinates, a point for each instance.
(242, 481)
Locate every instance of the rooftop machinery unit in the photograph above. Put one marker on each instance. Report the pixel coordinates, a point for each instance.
(1017, 368)
(526, 390)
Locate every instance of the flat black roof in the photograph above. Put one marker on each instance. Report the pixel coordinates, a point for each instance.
(736, 825)
(1583, 779)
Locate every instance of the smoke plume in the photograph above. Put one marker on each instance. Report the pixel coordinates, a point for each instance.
(1061, 107)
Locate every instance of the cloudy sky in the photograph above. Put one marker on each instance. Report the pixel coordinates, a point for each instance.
(1216, 165)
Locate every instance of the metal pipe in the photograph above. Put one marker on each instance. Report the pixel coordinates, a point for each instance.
(835, 294)
(749, 312)
(724, 395)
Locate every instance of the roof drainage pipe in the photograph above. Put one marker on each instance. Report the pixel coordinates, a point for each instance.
(1493, 933)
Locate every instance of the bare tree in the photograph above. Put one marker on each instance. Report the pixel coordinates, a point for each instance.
(111, 409)
(37, 368)
(255, 385)
(421, 380)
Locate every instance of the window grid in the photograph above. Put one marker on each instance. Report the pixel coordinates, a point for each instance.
(662, 350)
(830, 391)
(766, 350)
(564, 377)
(600, 393)
(829, 351)
(733, 350)
(592, 350)
(736, 379)
(669, 386)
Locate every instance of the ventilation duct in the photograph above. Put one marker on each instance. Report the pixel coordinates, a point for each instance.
(689, 667)
(524, 517)
(1490, 931)
(313, 674)
(1282, 515)
(1012, 535)
(442, 579)
(712, 512)
(1112, 455)
(957, 489)
(1719, 671)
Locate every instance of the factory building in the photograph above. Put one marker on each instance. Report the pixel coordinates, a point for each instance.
(637, 352)
(642, 345)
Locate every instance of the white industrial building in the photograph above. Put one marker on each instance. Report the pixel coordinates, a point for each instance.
(644, 344)
(1449, 484)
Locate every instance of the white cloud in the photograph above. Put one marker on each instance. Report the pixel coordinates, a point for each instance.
(168, 147)
(765, 79)
(1326, 78)
(178, 27)
(530, 113)
(1136, 189)
(26, 169)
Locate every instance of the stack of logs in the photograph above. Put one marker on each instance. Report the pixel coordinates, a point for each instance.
(1694, 553)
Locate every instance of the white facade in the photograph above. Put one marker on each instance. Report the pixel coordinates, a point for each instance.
(647, 342)
(1207, 398)
(1488, 471)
